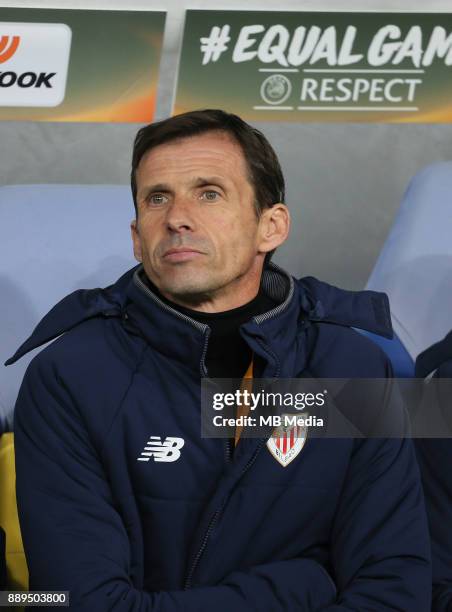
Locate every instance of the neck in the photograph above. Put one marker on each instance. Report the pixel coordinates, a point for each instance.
(206, 308)
(236, 296)
(203, 303)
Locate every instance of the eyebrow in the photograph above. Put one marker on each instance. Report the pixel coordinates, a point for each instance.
(209, 180)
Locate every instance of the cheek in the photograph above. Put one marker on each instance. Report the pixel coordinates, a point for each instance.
(245, 229)
(147, 236)
(238, 225)
(237, 237)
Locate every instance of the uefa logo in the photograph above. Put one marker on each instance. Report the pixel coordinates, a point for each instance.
(34, 60)
(276, 89)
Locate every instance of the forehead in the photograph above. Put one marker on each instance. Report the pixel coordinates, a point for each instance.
(211, 152)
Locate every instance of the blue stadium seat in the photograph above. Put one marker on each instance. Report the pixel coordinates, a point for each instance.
(55, 239)
(415, 267)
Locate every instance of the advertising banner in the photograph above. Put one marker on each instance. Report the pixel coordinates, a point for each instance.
(73, 65)
(316, 66)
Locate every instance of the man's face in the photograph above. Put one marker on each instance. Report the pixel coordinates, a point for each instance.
(197, 233)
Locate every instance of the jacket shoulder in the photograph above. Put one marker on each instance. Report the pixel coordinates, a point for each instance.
(338, 350)
(90, 367)
(367, 310)
(343, 352)
(96, 343)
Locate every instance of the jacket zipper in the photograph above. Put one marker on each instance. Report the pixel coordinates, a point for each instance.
(214, 519)
(202, 364)
(216, 515)
(228, 450)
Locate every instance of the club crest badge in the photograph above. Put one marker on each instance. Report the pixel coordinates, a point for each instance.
(287, 441)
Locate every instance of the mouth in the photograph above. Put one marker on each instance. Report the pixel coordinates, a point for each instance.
(181, 254)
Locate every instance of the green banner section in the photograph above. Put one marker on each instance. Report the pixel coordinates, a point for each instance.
(79, 65)
(317, 66)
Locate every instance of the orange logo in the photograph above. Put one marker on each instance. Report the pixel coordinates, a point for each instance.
(8, 47)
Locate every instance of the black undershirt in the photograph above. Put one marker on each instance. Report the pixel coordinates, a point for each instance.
(228, 355)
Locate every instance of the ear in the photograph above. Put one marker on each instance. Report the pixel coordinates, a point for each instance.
(274, 225)
(136, 241)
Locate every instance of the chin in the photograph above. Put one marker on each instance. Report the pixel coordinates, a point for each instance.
(193, 292)
(190, 298)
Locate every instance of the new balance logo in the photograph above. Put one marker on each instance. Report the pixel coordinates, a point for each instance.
(8, 47)
(168, 450)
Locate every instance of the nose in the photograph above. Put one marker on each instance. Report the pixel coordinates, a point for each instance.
(179, 217)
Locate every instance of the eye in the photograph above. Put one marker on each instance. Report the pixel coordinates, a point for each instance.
(210, 195)
(156, 199)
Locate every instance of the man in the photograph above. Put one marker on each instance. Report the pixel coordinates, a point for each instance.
(121, 500)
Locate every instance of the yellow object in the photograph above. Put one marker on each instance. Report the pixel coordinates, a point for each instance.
(247, 384)
(16, 564)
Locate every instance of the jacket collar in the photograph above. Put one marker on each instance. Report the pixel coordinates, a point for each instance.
(186, 339)
(273, 335)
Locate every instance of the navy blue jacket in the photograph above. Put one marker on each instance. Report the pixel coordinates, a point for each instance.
(343, 527)
(435, 460)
